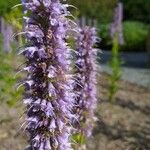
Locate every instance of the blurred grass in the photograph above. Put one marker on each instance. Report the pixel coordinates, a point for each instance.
(8, 68)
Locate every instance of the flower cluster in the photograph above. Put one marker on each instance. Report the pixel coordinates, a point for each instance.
(85, 87)
(48, 90)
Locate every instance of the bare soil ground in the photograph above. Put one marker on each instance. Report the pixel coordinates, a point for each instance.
(125, 123)
(122, 125)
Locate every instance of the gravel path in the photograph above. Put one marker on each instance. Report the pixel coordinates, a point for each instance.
(135, 75)
(135, 68)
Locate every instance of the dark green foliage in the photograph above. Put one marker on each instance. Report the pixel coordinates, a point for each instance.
(135, 35)
(98, 9)
(104, 33)
(103, 9)
(138, 10)
(6, 6)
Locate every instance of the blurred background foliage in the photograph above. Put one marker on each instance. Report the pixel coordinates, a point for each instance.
(6, 6)
(8, 80)
(135, 36)
(14, 17)
(9, 61)
(102, 10)
(136, 26)
(137, 10)
(10, 14)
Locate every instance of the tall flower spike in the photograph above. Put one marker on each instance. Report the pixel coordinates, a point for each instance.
(48, 94)
(116, 26)
(85, 86)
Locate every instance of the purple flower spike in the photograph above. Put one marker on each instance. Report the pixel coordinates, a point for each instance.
(48, 95)
(85, 84)
(116, 26)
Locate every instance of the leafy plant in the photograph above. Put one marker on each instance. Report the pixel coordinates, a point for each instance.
(8, 92)
(135, 34)
(115, 76)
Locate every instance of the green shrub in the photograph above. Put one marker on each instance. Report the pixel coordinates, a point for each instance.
(135, 35)
(8, 65)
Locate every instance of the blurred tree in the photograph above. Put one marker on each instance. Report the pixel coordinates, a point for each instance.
(97, 9)
(137, 10)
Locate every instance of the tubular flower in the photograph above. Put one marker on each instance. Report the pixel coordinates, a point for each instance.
(85, 84)
(48, 90)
